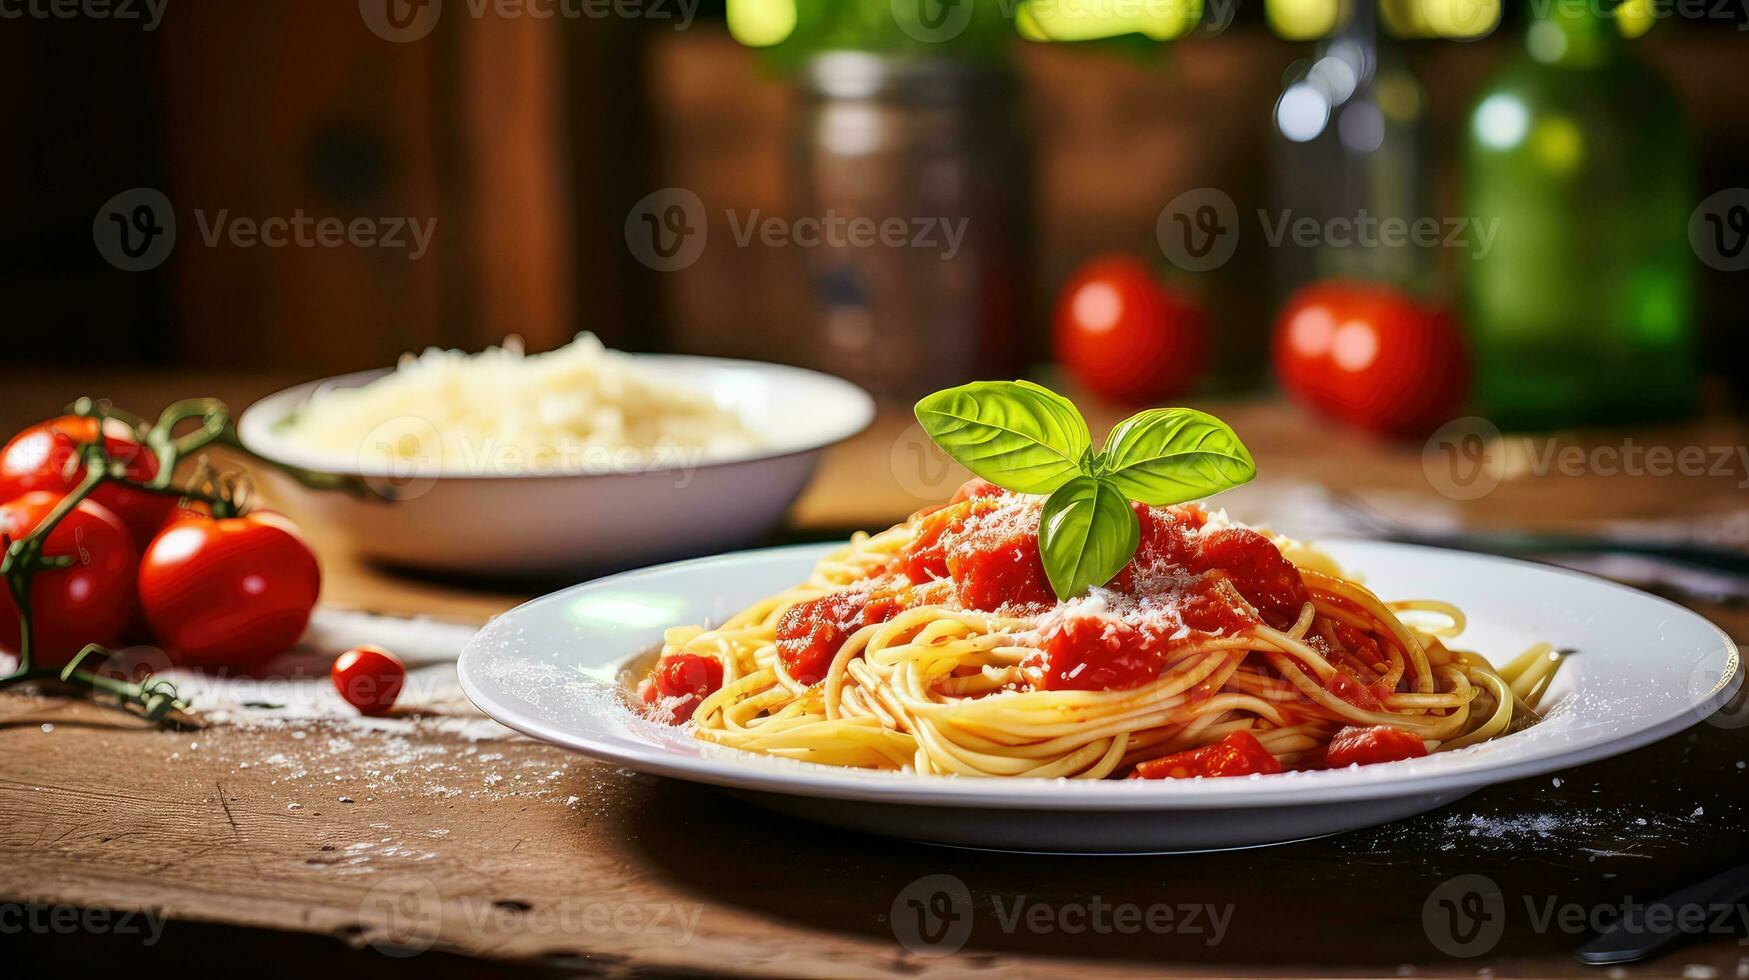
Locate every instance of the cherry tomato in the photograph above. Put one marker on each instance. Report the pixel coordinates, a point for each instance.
(91, 601)
(1124, 335)
(1356, 745)
(1372, 357)
(231, 592)
(42, 458)
(1239, 754)
(369, 678)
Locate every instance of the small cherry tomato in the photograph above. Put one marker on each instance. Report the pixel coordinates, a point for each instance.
(90, 601)
(369, 678)
(43, 457)
(1359, 746)
(1123, 334)
(230, 592)
(1370, 356)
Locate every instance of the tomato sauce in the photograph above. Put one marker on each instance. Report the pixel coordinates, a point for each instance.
(810, 633)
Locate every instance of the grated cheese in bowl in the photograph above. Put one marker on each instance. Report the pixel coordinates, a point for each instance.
(580, 409)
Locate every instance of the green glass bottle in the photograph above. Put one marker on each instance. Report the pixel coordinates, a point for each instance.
(1581, 304)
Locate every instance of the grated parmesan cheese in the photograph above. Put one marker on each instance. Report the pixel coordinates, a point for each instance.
(581, 408)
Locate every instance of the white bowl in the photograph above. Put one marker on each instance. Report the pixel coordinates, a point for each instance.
(553, 522)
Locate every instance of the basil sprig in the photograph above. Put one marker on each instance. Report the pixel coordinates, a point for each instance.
(1029, 439)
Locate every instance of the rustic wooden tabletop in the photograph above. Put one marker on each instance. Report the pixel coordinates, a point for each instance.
(432, 843)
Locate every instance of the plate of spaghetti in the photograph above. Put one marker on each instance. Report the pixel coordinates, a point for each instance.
(1220, 686)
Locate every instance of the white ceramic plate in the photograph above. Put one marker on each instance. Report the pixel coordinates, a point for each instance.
(553, 522)
(1643, 668)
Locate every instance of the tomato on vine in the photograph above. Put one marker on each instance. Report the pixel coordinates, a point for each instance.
(86, 592)
(45, 457)
(228, 592)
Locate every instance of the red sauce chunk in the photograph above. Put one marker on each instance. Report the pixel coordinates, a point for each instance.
(686, 676)
(810, 633)
(987, 546)
(1091, 653)
(1356, 745)
(1239, 754)
(1258, 571)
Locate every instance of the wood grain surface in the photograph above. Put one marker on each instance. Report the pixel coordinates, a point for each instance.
(483, 853)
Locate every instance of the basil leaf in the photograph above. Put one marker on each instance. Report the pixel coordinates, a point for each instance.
(1086, 535)
(1015, 434)
(1171, 455)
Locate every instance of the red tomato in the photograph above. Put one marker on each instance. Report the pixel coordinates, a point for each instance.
(687, 676)
(1124, 335)
(42, 458)
(91, 601)
(1239, 754)
(230, 592)
(1355, 745)
(369, 678)
(1372, 357)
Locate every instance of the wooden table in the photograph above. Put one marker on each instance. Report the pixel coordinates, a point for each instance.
(310, 844)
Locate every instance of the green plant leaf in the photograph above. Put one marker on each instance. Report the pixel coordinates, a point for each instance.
(1171, 455)
(1015, 434)
(1086, 535)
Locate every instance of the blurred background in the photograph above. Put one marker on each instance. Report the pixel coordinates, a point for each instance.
(1558, 184)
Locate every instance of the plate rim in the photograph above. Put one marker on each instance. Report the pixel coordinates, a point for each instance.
(1289, 790)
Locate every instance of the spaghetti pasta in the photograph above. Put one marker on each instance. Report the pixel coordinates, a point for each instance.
(935, 647)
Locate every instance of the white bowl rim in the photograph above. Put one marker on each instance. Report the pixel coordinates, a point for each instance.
(255, 427)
